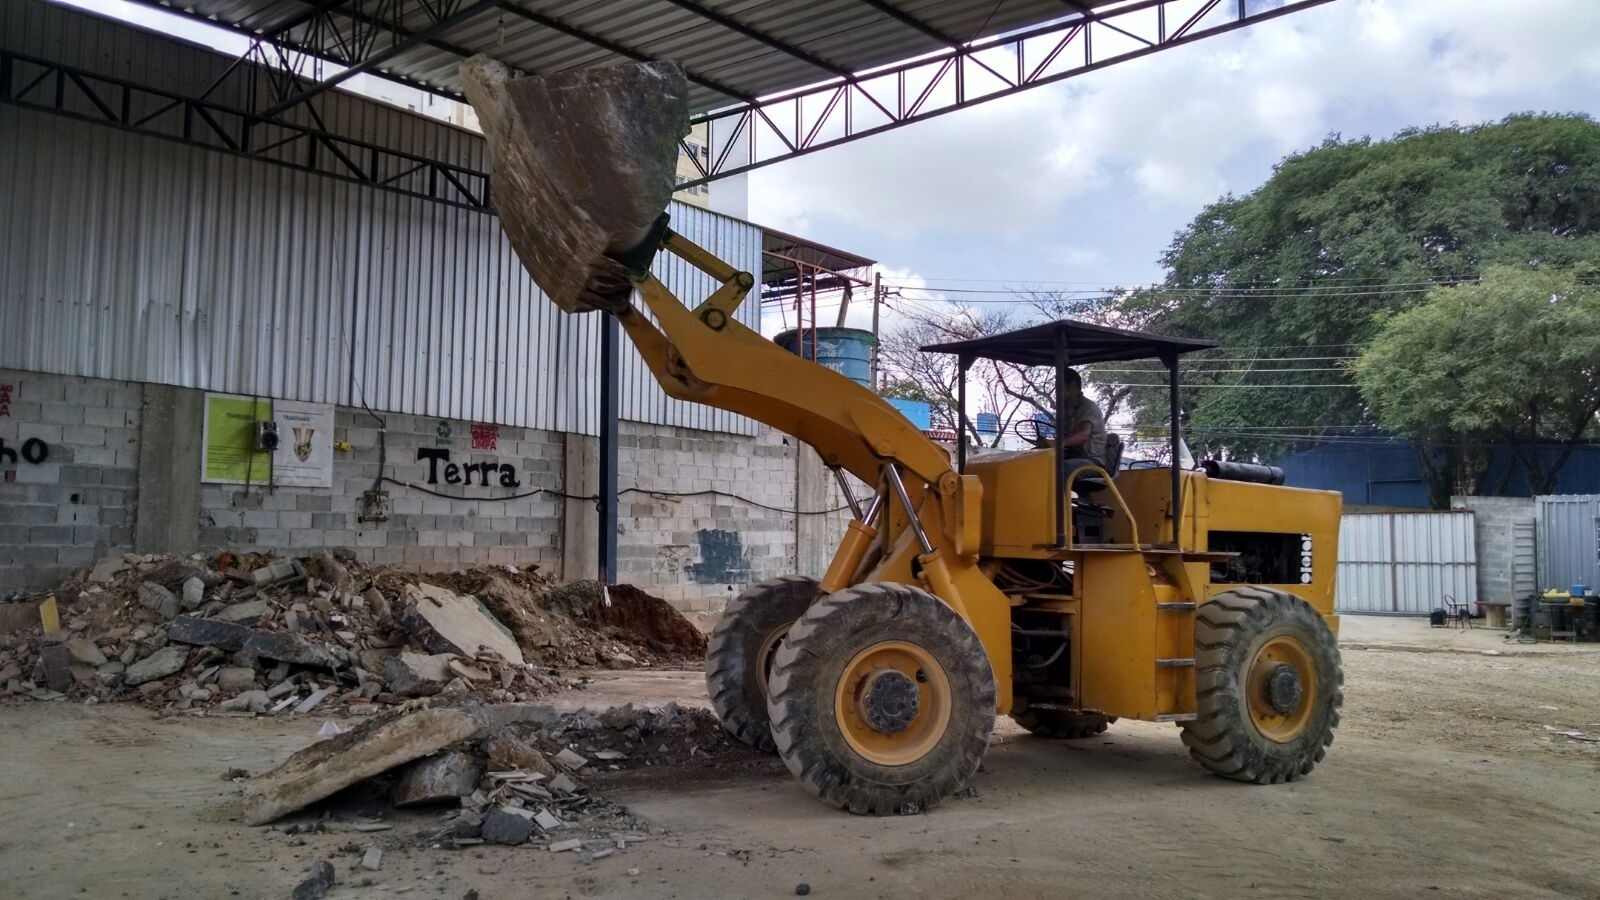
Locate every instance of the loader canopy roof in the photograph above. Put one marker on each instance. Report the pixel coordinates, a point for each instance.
(1084, 343)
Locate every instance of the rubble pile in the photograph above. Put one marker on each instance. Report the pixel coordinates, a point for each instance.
(256, 634)
(627, 737)
(508, 774)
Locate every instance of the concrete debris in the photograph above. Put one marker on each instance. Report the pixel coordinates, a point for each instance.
(506, 750)
(372, 748)
(544, 819)
(160, 664)
(236, 678)
(194, 593)
(444, 778)
(84, 651)
(317, 882)
(158, 599)
(564, 846)
(571, 760)
(249, 701)
(248, 612)
(448, 622)
(507, 826)
(372, 860)
(189, 633)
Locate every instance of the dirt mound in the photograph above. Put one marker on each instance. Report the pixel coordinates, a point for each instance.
(627, 613)
(626, 737)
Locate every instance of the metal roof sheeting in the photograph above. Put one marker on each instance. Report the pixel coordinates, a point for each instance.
(713, 39)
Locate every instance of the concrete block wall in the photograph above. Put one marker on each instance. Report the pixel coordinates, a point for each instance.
(74, 504)
(699, 550)
(1493, 518)
(468, 526)
(82, 501)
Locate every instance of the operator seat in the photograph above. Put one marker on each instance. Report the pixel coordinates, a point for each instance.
(1090, 482)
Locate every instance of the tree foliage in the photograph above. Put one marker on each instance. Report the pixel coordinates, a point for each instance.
(1508, 363)
(1343, 234)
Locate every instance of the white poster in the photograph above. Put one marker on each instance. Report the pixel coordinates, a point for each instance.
(304, 457)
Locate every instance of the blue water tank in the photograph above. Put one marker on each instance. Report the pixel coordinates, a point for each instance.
(847, 351)
(988, 423)
(915, 410)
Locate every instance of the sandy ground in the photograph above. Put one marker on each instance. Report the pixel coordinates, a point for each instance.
(1446, 780)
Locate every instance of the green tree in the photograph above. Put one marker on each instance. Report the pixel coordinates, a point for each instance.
(1511, 362)
(1289, 277)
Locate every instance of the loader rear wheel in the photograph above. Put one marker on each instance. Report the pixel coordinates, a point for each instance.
(1268, 684)
(882, 700)
(1062, 724)
(739, 654)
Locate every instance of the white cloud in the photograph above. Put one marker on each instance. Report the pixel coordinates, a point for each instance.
(1169, 124)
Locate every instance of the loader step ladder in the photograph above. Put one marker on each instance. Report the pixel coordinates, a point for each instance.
(1175, 665)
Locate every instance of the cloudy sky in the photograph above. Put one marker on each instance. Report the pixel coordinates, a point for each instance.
(1088, 179)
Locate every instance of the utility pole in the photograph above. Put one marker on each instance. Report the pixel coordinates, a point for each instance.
(877, 299)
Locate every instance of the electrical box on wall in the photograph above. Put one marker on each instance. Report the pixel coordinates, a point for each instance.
(267, 436)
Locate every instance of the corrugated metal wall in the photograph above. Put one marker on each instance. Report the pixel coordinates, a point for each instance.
(137, 259)
(1406, 562)
(1569, 541)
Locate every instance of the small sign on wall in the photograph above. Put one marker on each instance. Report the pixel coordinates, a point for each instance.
(228, 454)
(304, 457)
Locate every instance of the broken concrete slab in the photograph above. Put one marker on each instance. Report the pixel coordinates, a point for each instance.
(84, 651)
(507, 751)
(208, 633)
(447, 622)
(444, 778)
(416, 674)
(372, 860)
(470, 673)
(107, 569)
(158, 599)
(570, 759)
(369, 749)
(287, 648)
(249, 701)
(564, 846)
(160, 664)
(249, 611)
(547, 820)
(506, 826)
(562, 784)
(236, 678)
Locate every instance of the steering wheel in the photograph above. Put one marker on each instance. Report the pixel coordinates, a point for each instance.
(1034, 432)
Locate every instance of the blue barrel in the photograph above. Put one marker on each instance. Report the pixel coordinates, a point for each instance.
(847, 351)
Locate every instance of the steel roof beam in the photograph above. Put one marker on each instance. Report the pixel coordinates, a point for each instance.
(379, 58)
(619, 49)
(755, 34)
(1038, 52)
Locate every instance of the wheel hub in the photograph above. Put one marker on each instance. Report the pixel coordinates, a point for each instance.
(889, 701)
(1283, 689)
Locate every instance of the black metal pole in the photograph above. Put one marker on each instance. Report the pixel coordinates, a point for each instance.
(1177, 476)
(962, 364)
(1060, 450)
(610, 340)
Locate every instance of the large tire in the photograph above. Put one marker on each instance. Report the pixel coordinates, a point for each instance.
(1269, 686)
(1062, 724)
(741, 649)
(882, 700)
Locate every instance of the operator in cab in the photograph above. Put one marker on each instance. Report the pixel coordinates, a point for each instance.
(1083, 440)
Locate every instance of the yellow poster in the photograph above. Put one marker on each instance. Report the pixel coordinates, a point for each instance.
(228, 454)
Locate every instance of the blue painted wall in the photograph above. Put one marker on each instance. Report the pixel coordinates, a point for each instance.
(1388, 474)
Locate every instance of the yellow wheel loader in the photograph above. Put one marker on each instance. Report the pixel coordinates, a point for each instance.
(1065, 595)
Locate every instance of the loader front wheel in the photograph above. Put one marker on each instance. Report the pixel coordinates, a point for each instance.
(1268, 685)
(882, 700)
(739, 654)
(1062, 724)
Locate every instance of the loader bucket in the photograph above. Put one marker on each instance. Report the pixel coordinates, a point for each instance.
(584, 164)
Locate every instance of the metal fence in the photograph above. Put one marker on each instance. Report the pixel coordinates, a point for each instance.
(1569, 540)
(1406, 563)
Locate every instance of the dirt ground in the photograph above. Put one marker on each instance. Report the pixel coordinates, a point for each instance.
(1448, 778)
